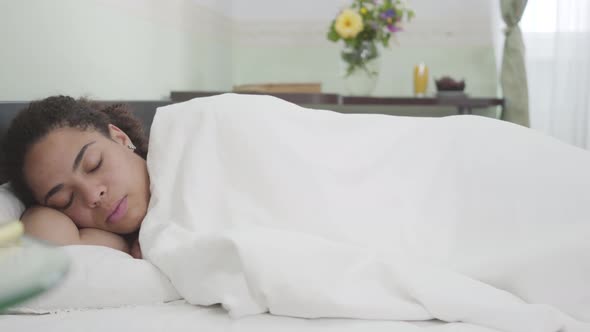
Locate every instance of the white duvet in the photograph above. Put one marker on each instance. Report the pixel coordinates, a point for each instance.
(264, 206)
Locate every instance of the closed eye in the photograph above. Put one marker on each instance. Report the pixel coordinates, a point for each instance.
(96, 167)
(68, 204)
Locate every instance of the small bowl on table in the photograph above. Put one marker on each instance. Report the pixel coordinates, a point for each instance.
(447, 86)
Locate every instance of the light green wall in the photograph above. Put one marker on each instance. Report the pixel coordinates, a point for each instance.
(321, 64)
(108, 49)
(111, 49)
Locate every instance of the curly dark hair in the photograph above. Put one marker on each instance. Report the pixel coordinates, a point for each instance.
(41, 117)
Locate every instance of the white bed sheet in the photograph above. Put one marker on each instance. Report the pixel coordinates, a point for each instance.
(180, 316)
(263, 199)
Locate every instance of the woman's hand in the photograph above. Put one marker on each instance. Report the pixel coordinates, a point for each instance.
(56, 228)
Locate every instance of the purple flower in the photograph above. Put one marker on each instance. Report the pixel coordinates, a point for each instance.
(390, 13)
(393, 28)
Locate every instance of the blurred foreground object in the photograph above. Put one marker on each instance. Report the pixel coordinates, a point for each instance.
(27, 266)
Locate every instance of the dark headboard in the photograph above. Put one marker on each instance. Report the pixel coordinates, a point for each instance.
(144, 110)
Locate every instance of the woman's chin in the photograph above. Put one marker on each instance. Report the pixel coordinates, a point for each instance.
(126, 226)
(130, 228)
(131, 223)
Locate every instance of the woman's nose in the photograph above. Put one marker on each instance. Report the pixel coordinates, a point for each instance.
(93, 195)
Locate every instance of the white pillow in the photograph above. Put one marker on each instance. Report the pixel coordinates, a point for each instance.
(101, 277)
(11, 208)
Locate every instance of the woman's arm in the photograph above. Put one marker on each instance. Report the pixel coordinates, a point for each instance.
(56, 228)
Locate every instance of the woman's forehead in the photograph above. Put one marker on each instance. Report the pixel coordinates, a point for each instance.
(61, 145)
(68, 136)
(72, 131)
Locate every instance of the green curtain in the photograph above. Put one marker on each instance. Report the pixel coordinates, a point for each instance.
(513, 74)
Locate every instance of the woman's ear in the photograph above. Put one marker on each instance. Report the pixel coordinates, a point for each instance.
(119, 136)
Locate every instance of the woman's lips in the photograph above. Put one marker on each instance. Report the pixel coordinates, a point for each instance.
(119, 211)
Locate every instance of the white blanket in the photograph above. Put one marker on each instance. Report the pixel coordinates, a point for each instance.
(262, 205)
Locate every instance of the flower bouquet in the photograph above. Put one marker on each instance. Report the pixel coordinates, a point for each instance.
(362, 26)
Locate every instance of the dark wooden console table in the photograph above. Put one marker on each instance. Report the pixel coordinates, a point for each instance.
(463, 103)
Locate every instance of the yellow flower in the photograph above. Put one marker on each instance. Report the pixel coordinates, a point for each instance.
(348, 24)
(363, 10)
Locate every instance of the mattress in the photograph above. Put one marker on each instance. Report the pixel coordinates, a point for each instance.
(181, 316)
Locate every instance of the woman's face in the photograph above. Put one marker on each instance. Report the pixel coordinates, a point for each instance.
(98, 182)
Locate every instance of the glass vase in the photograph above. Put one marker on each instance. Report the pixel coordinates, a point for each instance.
(360, 68)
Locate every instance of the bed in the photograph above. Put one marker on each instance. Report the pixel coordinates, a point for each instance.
(179, 316)
(108, 290)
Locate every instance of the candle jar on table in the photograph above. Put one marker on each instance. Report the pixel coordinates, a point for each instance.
(420, 80)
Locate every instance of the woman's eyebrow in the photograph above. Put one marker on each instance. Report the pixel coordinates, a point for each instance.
(53, 191)
(77, 161)
(81, 155)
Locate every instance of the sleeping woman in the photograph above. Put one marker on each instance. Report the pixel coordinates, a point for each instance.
(80, 169)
